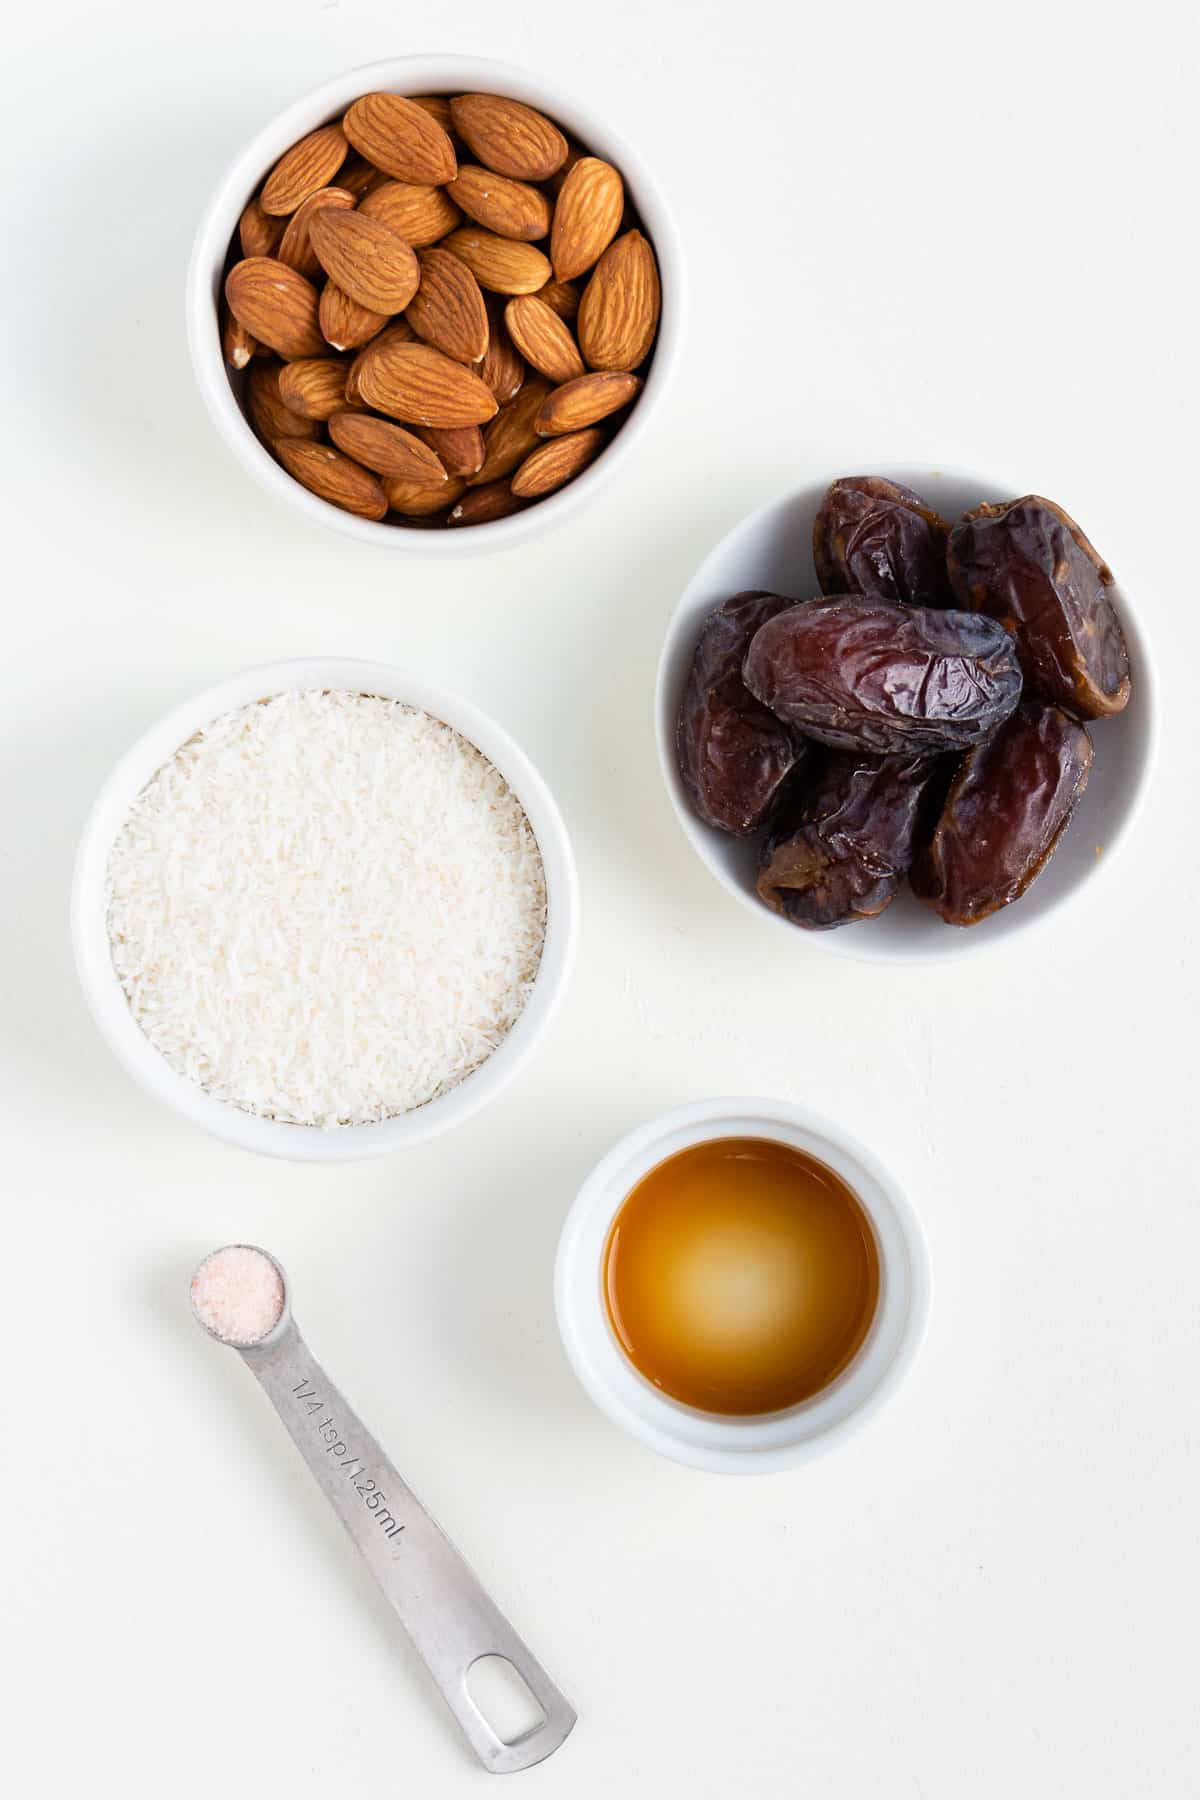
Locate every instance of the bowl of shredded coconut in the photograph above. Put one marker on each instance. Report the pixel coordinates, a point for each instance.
(324, 910)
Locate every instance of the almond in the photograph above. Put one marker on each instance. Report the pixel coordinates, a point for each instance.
(479, 506)
(386, 448)
(618, 315)
(587, 217)
(266, 410)
(398, 332)
(326, 472)
(513, 209)
(555, 463)
(421, 214)
(574, 155)
(367, 259)
(359, 177)
(501, 264)
(543, 339)
(237, 346)
(585, 401)
(419, 499)
(510, 138)
(276, 305)
(421, 386)
(460, 451)
(345, 324)
(512, 434)
(300, 171)
(258, 232)
(561, 298)
(438, 107)
(447, 309)
(295, 246)
(314, 387)
(502, 369)
(402, 138)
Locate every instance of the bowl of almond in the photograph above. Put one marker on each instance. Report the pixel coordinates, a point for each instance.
(435, 304)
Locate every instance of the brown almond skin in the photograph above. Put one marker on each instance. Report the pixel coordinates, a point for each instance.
(512, 434)
(438, 107)
(584, 402)
(447, 309)
(587, 217)
(501, 264)
(553, 464)
(561, 297)
(481, 505)
(401, 138)
(314, 387)
(512, 209)
(398, 332)
(543, 339)
(269, 417)
(258, 233)
(300, 171)
(386, 448)
(295, 246)
(418, 500)
(332, 476)
(619, 311)
(359, 177)
(237, 345)
(344, 323)
(509, 137)
(420, 386)
(574, 155)
(459, 450)
(275, 305)
(502, 369)
(420, 213)
(369, 261)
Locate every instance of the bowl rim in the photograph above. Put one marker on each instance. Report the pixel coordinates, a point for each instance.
(426, 73)
(105, 996)
(757, 1444)
(853, 943)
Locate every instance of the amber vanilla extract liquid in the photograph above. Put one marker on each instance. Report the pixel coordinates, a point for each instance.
(741, 1276)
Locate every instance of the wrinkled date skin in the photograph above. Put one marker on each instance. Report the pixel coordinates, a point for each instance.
(865, 674)
(1028, 564)
(843, 849)
(734, 755)
(873, 537)
(1008, 806)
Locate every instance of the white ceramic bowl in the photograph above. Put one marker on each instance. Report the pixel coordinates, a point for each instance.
(107, 999)
(772, 549)
(754, 1445)
(426, 75)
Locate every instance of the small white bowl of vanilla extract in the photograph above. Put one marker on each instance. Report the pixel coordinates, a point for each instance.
(739, 1285)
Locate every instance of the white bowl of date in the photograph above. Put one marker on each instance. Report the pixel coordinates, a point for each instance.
(94, 952)
(772, 550)
(417, 76)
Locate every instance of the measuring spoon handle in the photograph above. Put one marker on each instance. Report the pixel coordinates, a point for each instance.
(441, 1603)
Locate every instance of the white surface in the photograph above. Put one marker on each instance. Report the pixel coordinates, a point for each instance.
(703, 1440)
(106, 997)
(430, 75)
(938, 233)
(771, 550)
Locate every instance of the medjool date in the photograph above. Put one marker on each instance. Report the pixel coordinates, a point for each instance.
(874, 537)
(734, 755)
(1028, 564)
(843, 851)
(1008, 806)
(865, 674)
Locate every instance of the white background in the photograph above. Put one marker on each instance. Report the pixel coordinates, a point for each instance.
(946, 231)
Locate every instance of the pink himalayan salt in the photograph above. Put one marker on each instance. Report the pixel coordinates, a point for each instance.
(237, 1293)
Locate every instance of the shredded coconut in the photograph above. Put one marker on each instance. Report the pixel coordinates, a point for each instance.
(237, 1294)
(327, 908)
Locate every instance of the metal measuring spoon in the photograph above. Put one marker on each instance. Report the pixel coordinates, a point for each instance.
(240, 1297)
